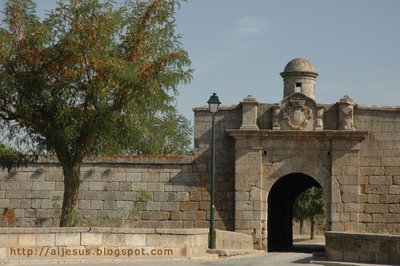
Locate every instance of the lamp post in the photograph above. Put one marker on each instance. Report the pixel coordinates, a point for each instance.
(213, 106)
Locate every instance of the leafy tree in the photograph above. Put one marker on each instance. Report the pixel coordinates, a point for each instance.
(308, 205)
(90, 77)
(10, 157)
(7, 156)
(166, 134)
(6, 150)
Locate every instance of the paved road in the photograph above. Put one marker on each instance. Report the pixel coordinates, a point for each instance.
(266, 259)
(302, 257)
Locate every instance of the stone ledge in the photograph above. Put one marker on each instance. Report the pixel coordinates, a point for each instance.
(343, 263)
(390, 108)
(226, 240)
(129, 230)
(46, 230)
(126, 159)
(43, 230)
(221, 108)
(346, 235)
(362, 247)
(180, 242)
(298, 135)
(194, 231)
(234, 252)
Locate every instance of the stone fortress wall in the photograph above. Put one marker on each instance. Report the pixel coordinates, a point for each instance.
(379, 171)
(352, 151)
(372, 169)
(132, 191)
(31, 196)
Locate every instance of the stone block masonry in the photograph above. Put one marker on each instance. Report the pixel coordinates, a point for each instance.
(378, 184)
(363, 248)
(83, 244)
(94, 244)
(266, 155)
(123, 191)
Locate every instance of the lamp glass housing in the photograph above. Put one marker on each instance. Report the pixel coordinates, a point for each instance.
(213, 104)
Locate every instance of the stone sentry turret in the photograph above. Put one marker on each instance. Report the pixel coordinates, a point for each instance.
(298, 109)
(299, 77)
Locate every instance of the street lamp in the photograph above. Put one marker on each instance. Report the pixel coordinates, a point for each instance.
(213, 107)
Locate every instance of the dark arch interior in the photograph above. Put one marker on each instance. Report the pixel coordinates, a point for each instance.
(280, 209)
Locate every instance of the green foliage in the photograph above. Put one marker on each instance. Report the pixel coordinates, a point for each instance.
(309, 203)
(55, 200)
(10, 158)
(141, 197)
(75, 219)
(72, 218)
(90, 78)
(159, 134)
(7, 150)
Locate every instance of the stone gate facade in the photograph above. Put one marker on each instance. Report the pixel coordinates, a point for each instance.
(267, 153)
(276, 151)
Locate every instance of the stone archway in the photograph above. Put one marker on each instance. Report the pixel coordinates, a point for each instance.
(280, 209)
(262, 157)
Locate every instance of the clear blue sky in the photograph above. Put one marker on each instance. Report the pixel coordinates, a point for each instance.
(239, 47)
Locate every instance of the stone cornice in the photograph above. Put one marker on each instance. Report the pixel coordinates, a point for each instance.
(221, 108)
(125, 159)
(298, 135)
(388, 108)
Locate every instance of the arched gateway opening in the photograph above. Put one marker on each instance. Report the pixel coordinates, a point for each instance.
(280, 209)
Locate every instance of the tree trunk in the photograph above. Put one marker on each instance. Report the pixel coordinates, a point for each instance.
(72, 173)
(301, 221)
(312, 221)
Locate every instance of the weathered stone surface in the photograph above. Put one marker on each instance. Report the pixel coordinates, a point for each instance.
(135, 240)
(169, 206)
(394, 208)
(182, 196)
(92, 239)
(156, 187)
(153, 206)
(114, 240)
(45, 239)
(193, 215)
(380, 180)
(68, 239)
(373, 198)
(377, 189)
(376, 208)
(354, 157)
(155, 215)
(26, 240)
(134, 177)
(189, 206)
(96, 204)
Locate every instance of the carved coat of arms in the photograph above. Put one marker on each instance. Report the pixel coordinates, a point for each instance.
(297, 114)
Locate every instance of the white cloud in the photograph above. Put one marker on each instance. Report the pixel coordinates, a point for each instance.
(251, 25)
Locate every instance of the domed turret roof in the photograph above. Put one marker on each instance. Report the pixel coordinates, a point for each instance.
(299, 65)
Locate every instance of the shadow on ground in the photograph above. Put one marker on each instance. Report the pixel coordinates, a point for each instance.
(303, 244)
(307, 248)
(304, 260)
